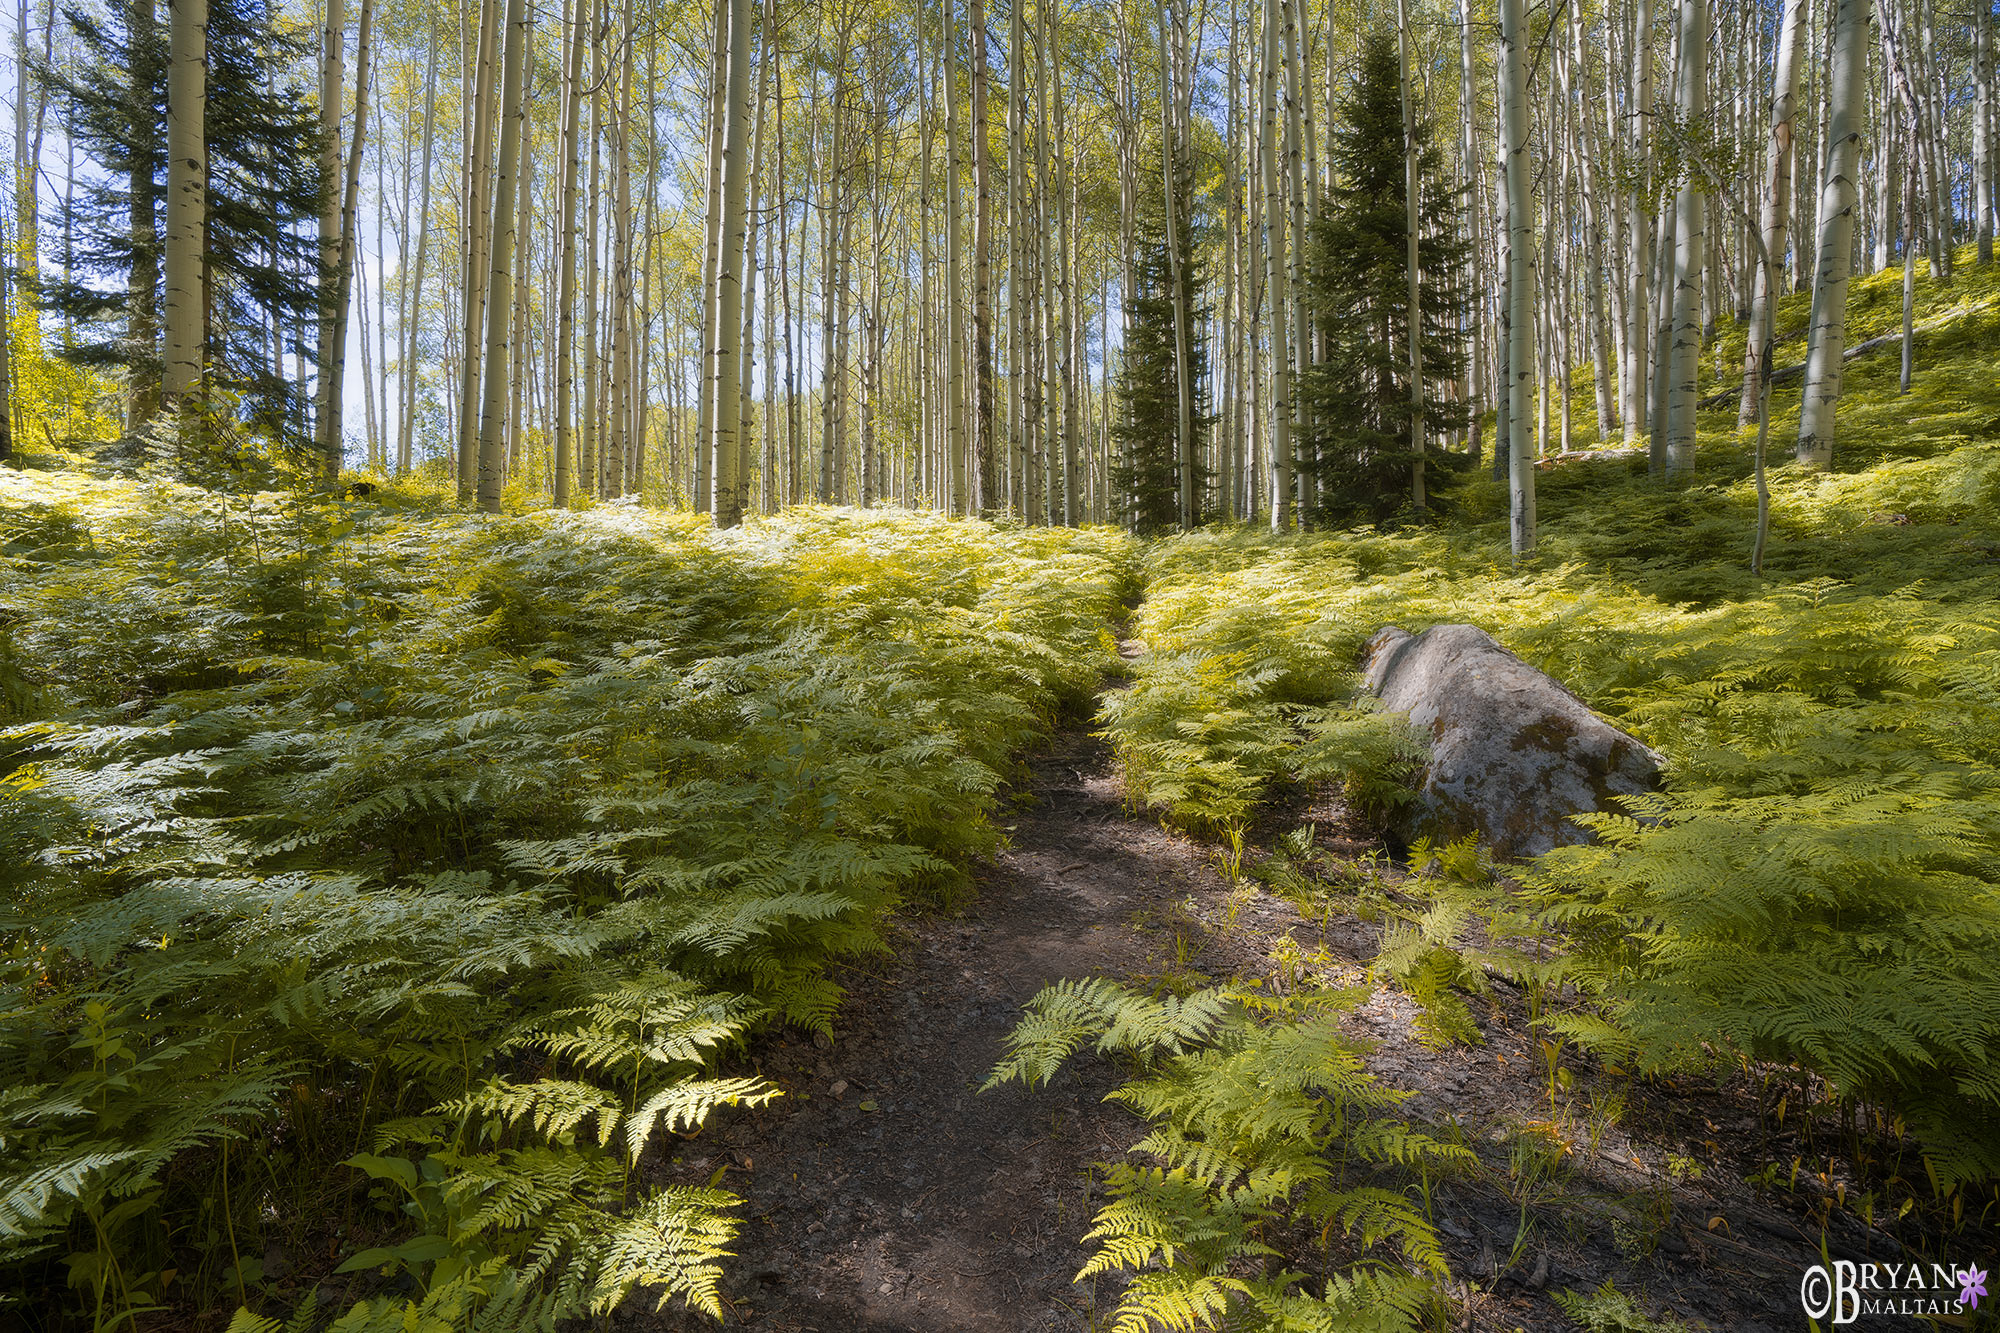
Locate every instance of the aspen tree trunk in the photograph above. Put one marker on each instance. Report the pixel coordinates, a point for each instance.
(728, 505)
(1125, 128)
(1469, 163)
(588, 444)
(521, 338)
(331, 441)
(478, 218)
(986, 480)
(1583, 150)
(571, 156)
(929, 436)
(370, 439)
(1310, 143)
(142, 329)
(1690, 248)
(1277, 262)
(782, 465)
(1017, 443)
(834, 173)
(1982, 128)
(500, 271)
(1066, 239)
(1513, 79)
(332, 87)
(955, 405)
(1827, 336)
(757, 283)
(1905, 83)
(1805, 181)
(711, 285)
(379, 395)
(1258, 463)
(1048, 263)
(1638, 372)
(1293, 174)
(1909, 284)
(1412, 292)
(406, 419)
(794, 409)
(617, 452)
(1231, 318)
(843, 322)
(1777, 202)
(27, 198)
(1170, 173)
(1926, 77)
(871, 308)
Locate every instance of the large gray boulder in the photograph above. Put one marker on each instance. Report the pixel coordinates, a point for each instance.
(1513, 753)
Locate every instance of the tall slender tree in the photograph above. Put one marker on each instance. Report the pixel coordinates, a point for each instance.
(1690, 250)
(1777, 200)
(1839, 194)
(1513, 80)
(500, 264)
(187, 204)
(728, 501)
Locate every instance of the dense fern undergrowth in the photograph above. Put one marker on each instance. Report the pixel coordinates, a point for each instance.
(1816, 886)
(379, 881)
(376, 882)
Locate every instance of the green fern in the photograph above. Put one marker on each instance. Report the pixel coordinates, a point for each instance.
(1261, 1111)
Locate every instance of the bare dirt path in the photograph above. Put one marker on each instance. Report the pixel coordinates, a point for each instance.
(884, 1193)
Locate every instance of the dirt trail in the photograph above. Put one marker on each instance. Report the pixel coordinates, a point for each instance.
(908, 1202)
(884, 1194)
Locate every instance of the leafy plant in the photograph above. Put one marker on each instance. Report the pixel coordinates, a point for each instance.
(1265, 1122)
(473, 844)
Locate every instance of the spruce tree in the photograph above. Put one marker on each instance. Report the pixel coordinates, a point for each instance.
(1146, 429)
(264, 191)
(1357, 290)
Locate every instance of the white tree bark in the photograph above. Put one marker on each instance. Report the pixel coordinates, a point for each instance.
(1170, 173)
(187, 202)
(564, 462)
(728, 503)
(1276, 284)
(500, 266)
(955, 404)
(343, 276)
(1413, 289)
(986, 480)
(478, 218)
(1690, 249)
(1777, 200)
(332, 81)
(1982, 129)
(1827, 337)
(1638, 370)
(1513, 81)
(414, 286)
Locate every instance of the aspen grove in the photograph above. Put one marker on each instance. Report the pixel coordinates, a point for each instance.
(580, 580)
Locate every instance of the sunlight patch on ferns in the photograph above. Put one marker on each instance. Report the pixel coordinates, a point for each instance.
(491, 835)
(1814, 886)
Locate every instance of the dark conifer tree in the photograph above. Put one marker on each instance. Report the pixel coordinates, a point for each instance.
(1358, 449)
(264, 190)
(1146, 429)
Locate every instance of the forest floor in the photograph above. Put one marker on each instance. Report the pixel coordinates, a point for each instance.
(885, 1194)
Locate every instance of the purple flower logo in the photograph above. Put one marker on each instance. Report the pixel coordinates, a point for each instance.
(1972, 1283)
